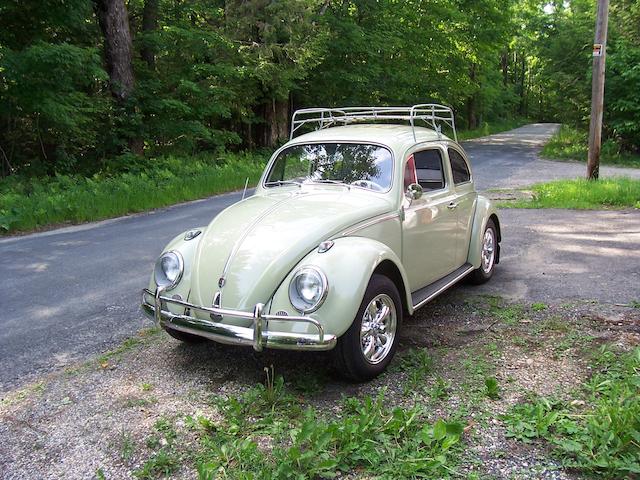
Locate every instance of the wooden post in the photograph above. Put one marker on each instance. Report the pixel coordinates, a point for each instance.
(597, 90)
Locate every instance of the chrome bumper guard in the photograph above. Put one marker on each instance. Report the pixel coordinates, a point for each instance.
(257, 336)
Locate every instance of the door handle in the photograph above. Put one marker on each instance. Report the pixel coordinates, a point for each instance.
(452, 205)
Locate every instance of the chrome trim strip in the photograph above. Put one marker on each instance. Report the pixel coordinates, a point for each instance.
(370, 222)
(443, 288)
(248, 230)
(255, 336)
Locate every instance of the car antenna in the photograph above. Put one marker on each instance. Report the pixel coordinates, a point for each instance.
(245, 188)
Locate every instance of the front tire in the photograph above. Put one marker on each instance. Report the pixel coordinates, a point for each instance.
(184, 337)
(366, 349)
(488, 252)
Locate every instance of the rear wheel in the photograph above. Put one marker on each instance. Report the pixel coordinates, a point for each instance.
(184, 337)
(488, 253)
(366, 349)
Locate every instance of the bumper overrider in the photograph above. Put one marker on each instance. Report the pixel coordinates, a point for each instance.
(258, 335)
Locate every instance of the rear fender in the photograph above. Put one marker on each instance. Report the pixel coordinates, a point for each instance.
(485, 210)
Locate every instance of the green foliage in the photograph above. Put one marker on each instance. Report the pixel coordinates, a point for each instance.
(616, 192)
(570, 143)
(492, 388)
(29, 203)
(599, 435)
(417, 364)
(367, 436)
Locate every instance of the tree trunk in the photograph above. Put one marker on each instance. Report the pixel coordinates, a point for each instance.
(523, 89)
(149, 24)
(472, 120)
(504, 60)
(276, 116)
(114, 23)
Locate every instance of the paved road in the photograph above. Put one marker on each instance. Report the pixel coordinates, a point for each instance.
(73, 292)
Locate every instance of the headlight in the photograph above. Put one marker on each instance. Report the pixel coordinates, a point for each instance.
(168, 270)
(308, 289)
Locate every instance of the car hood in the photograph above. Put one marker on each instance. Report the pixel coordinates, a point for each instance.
(255, 243)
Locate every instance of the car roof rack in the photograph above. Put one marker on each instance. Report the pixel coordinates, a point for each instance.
(432, 114)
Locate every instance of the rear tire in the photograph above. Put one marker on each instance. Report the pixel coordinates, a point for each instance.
(184, 337)
(367, 348)
(488, 255)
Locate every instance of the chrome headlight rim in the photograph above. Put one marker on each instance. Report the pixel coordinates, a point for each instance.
(166, 286)
(294, 297)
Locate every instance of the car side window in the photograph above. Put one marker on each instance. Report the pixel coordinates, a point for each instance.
(429, 169)
(459, 167)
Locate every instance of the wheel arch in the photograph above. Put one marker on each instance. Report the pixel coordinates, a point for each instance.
(392, 272)
(348, 265)
(485, 211)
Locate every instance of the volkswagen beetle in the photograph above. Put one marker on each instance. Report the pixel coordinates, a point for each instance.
(352, 227)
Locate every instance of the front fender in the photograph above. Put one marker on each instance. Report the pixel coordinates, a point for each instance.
(348, 266)
(484, 211)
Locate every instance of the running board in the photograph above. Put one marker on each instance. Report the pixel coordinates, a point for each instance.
(422, 296)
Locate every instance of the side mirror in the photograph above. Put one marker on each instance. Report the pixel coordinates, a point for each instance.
(414, 191)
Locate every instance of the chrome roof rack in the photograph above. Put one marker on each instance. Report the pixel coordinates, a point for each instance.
(432, 114)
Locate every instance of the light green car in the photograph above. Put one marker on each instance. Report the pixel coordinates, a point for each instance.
(352, 227)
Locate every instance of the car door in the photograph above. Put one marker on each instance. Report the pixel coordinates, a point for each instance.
(429, 225)
(465, 201)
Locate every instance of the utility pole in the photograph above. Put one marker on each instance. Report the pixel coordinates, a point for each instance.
(597, 90)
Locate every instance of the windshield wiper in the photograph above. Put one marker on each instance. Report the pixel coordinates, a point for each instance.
(282, 182)
(328, 180)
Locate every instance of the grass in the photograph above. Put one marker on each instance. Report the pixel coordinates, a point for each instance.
(606, 193)
(490, 128)
(572, 144)
(367, 436)
(598, 433)
(28, 204)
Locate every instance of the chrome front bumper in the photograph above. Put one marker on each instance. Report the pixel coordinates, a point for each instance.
(258, 335)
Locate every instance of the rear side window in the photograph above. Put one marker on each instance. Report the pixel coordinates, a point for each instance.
(429, 169)
(459, 167)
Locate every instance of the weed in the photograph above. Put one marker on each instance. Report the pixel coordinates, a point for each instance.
(166, 428)
(368, 436)
(492, 388)
(127, 445)
(146, 387)
(439, 389)
(538, 306)
(602, 437)
(163, 462)
(417, 364)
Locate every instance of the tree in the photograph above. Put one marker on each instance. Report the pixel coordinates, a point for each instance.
(114, 24)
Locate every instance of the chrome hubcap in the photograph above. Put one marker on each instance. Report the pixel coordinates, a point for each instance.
(378, 328)
(488, 251)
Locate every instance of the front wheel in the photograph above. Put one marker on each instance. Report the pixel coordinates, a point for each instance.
(488, 253)
(366, 349)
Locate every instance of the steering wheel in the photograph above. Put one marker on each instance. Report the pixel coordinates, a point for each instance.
(368, 184)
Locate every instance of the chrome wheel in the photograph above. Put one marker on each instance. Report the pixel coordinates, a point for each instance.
(488, 250)
(378, 328)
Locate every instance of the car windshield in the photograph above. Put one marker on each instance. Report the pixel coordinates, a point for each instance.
(362, 165)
